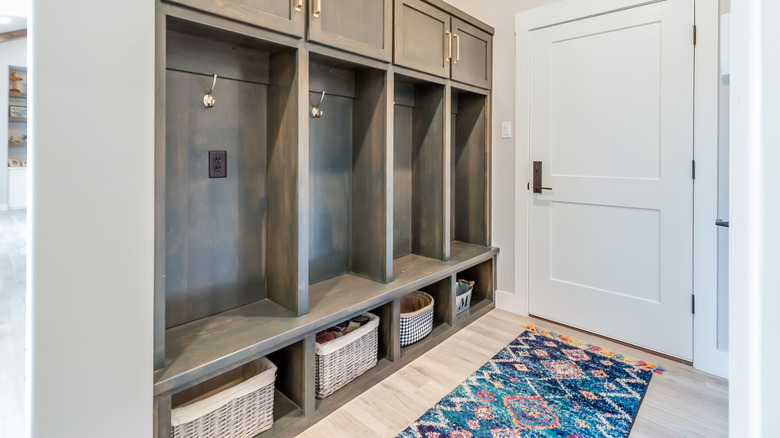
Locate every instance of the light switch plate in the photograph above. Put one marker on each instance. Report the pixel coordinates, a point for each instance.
(506, 129)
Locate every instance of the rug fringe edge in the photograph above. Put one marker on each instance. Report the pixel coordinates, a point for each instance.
(656, 368)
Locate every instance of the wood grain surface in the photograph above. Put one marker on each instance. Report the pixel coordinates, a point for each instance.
(473, 51)
(215, 227)
(364, 27)
(421, 42)
(371, 229)
(277, 15)
(469, 170)
(283, 243)
(428, 214)
(201, 348)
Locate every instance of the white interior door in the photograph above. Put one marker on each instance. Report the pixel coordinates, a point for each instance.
(611, 121)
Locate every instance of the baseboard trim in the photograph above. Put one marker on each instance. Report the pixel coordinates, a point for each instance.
(511, 302)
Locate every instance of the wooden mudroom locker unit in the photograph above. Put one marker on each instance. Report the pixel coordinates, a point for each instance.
(317, 218)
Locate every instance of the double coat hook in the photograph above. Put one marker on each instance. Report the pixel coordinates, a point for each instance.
(208, 99)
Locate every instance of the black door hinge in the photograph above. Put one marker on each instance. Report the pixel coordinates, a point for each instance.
(693, 304)
(693, 169)
(694, 34)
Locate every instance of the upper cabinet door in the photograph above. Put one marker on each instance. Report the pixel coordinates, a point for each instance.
(423, 40)
(358, 26)
(472, 54)
(285, 16)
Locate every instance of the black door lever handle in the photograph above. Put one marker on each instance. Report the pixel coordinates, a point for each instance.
(538, 178)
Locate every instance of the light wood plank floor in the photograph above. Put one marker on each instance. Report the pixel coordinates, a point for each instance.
(12, 311)
(682, 402)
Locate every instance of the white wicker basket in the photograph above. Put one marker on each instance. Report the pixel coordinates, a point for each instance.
(463, 295)
(416, 317)
(240, 411)
(343, 359)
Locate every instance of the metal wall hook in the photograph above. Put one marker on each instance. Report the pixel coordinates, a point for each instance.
(208, 99)
(316, 112)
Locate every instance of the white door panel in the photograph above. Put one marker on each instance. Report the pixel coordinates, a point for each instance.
(611, 119)
(585, 74)
(587, 251)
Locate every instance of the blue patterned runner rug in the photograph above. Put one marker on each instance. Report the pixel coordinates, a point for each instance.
(542, 385)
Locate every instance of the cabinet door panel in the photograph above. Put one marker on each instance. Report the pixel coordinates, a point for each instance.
(421, 39)
(471, 60)
(286, 16)
(358, 26)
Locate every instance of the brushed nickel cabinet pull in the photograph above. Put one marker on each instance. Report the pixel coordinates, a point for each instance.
(298, 5)
(448, 35)
(317, 8)
(457, 52)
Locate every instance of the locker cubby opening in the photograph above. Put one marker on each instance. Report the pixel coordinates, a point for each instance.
(469, 134)
(387, 352)
(228, 242)
(418, 169)
(443, 308)
(348, 224)
(483, 276)
(288, 385)
(386, 346)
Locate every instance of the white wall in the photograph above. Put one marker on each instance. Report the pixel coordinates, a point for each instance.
(754, 247)
(11, 53)
(501, 15)
(723, 205)
(91, 251)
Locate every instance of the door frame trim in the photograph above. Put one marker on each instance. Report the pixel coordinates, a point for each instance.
(706, 356)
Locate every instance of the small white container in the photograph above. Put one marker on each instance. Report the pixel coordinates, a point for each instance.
(463, 295)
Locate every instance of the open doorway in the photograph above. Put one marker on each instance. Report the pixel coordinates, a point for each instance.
(13, 218)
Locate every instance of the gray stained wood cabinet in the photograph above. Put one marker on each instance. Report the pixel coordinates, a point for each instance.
(364, 27)
(319, 218)
(472, 54)
(285, 16)
(430, 40)
(422, 37)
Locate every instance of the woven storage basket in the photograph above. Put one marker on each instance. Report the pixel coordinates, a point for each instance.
(343, 359)
(463, 295)
(416, 317)
(240, 411)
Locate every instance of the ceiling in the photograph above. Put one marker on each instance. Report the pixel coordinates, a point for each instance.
(17, 10)
(15, 24)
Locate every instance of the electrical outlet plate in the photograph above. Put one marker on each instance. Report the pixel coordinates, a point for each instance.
(217, 164)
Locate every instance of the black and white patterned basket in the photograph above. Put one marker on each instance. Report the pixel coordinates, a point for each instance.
(416, 317)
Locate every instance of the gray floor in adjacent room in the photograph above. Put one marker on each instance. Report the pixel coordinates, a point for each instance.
(12, 314)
